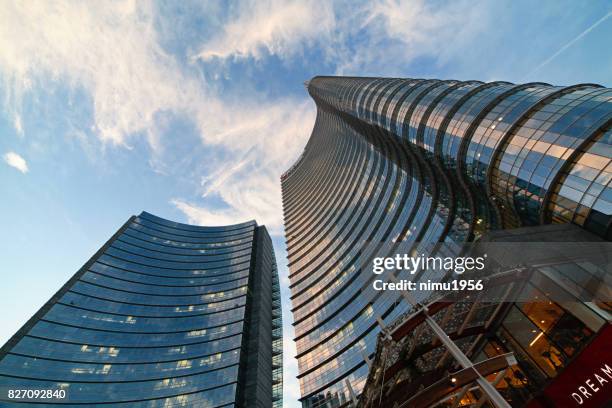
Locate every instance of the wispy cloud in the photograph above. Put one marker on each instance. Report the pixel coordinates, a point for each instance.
(355, 36)
(16, 161)
(387, 35)
(17, 124)
(264, 140)
(271, 26)
(111, 50)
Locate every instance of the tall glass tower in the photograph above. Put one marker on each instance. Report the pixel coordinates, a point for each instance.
(163, 315)
(418, 162)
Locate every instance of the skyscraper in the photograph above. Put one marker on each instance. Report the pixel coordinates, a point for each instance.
(420, 162)
(164, 314)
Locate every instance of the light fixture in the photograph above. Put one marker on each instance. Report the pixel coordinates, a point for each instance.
(536, 339)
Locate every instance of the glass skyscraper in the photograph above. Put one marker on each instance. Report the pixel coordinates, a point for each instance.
(418, 162)
(163, 315)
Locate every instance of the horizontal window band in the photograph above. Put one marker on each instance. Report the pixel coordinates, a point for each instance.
(167, 276)
(153, 305)
(172, 261)
(163, 295)
(335, 381)
(230, 249)
(119, 382)
(133, 347)
(121, 363)
(145, 221)
(188, 227)
(148, 317)
(171, 286)
(140, 333)
(133, 400)
(356, 340)
(172, 269)
(222, 238)
(136, 233)
(130, 401)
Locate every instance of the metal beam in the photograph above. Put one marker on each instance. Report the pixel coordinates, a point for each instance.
(496, 381)
(351, 392)
(494, 396)
(459, 396)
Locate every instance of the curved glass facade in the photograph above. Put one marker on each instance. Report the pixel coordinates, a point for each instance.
(165, 314)
(420, 162)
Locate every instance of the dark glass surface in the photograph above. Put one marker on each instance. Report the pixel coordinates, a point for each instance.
(157, 319)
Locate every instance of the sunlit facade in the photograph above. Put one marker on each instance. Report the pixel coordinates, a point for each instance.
(163, 315)
(424, 161)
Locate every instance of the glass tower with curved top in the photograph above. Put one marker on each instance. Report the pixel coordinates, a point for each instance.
(424, 162)
(163, 315)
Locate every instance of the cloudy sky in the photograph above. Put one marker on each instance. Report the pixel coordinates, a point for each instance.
(192, 110)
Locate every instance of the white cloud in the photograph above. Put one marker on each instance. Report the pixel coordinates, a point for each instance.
(109, 49)
(16, 161)
(276, 27)
(18, 124)
(377, 36)
(392, 33)
(265, 142)
(414, 21)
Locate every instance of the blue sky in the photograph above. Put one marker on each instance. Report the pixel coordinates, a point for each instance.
(192, 110)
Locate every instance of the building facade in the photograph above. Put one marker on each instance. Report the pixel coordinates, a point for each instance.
(421, 163)
(537, 331)
(163, 315)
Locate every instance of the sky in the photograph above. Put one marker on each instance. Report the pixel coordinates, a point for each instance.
(193, 110)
